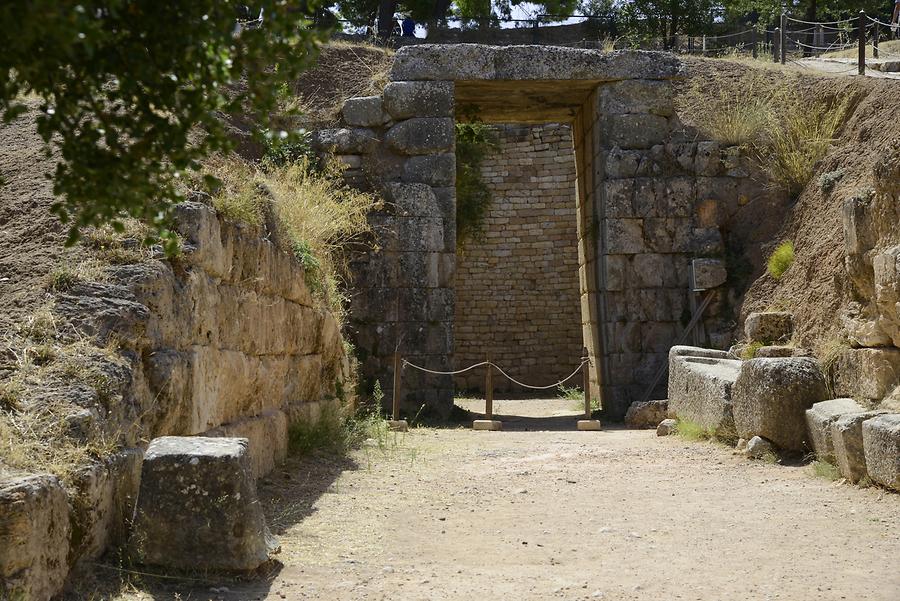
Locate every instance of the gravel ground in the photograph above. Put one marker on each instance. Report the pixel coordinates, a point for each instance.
(540, 511)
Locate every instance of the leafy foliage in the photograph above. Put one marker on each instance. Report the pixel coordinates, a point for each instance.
(474, 140)
(131, 91)
(781, 259)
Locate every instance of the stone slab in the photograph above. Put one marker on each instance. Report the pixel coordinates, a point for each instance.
(847, 437)
(700, 388)
(881, 444)
(589, 425)
(819, 418)
(492, 425)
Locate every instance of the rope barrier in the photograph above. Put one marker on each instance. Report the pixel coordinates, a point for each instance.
(584, 361)
(787, 18)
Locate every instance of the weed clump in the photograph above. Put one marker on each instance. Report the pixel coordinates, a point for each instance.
(823, 469)
(337, 433)
(781, 259)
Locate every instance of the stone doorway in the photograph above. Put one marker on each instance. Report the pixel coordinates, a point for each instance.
(647, 193)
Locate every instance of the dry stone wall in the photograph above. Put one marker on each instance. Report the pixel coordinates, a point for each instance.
(517, 296)
(225, 340)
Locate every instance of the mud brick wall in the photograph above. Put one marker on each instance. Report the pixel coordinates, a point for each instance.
(517, 287)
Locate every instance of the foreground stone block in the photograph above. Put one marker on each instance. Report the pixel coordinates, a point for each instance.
(881, 444)
(770, 398)
(489, 425)
(666, 427)
(405, 99)
(647, 414)
(769, 326)
(366, 111)
(866, 373)
(422, 136)
(34, 537)
(758, 447)
(847, 437)
(819, 418)
(700, 388)
(197, 507)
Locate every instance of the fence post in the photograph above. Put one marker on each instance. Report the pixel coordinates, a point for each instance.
(704, 44)
(586, 378)
(875, 35)
(782, 47)
(396, 400)
(754, 40)
(775, 51)
(489, 390)
(862, 42)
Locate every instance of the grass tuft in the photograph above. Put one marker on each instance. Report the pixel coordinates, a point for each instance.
(749, 351)
(781, 259)
(693, 431)
(823, 469)
(335, 432)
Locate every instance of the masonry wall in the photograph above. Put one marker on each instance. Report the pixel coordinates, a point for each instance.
(517, 294)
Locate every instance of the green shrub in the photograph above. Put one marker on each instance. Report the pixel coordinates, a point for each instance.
(781, 260)
(337, 433)
(282, 150)
(750, 350)
(474, 141)
(692, 431)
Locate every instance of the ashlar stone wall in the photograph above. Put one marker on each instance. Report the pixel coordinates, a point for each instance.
(517, 296)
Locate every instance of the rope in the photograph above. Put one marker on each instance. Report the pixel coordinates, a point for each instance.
(445, 373)
(817, 22)
(826, 48)
(556, 385)
(584, 362)
(877, 22)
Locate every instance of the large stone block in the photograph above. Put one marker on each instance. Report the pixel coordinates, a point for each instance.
(648, 414)
(637, 96)
(819, 418)
(847, 438)
(267, 435)
(771, 397)
(881, 443)
(197, 507)
(434, 170)
(345, 140)
(34, 537)
(866, 373)
(405, 99)
(708, 273)
(624, 236)
(472, 62)
(426, 135)
(366, 111)
(700, 387)
(637, 130)
(769, 326)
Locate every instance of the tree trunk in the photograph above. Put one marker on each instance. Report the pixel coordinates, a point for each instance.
(386, 9)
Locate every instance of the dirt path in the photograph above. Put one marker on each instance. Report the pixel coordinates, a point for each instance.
(557, 514)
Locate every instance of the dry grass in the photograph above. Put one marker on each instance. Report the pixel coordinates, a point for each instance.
(886, 49)
(318, 216)
(786, 133)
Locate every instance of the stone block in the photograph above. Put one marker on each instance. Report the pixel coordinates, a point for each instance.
(434, 170)
(708, 161)
(266, 434)
(866, 373)
(616, 270)
(200, 229)
(197, 507)
(647, 414)
(487, 425)
(473, 62)
(413, 200)
(624, 236)
(622, 163)
(406, 99)
(700, 388)
(618, 199)
(758, 447)
(366, 111)
(422, 135)
(345, 140)
(650, 270)
(637, 130)
(667, 427)
(769, 326)
(637, 96)
(847, 438)
(770, 398)
(34, 537)
(881, 444)
(588, 425)
(819, 418)
(775, 351)
(708, 273)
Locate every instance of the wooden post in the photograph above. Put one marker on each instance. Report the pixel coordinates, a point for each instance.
(876, 34)
(862, 42)
(782, 47)
(704, 45)
(586, 377)
(489, 390)
(754, 41)
(398, 367)
(775, 51)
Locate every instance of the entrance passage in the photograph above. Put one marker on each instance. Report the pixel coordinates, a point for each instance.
(517, 289)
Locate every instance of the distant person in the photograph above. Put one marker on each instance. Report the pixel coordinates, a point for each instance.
(408, 26)
(895, 19)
